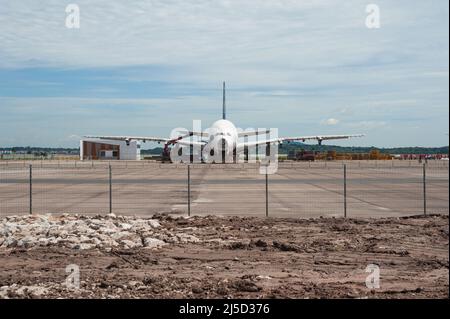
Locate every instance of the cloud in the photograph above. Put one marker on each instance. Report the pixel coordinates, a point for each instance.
(330, 122)
(286, 62)
(276, 33)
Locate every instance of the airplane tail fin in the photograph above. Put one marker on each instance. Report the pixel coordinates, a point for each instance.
(223, 104)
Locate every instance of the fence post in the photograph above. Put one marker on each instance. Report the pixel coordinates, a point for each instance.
(110, 189)
(189, 189)
(345, 190)
(267, 194)
(424, 189)
(31, 189)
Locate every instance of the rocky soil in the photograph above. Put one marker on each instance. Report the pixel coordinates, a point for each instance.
(213, 257)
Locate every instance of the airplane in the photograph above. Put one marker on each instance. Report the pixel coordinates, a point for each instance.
(224, 137)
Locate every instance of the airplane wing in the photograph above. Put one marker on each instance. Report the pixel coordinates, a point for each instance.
(130, 138)
(253, 133)
(242, 146)
(319, 138)
(280, 140)
(191, 143)
(150, 138)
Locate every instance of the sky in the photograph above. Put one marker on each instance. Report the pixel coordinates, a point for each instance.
(143, 68)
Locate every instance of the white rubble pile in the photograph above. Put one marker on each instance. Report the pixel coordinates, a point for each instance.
(21, 291)
(83, 232)
(40, 290)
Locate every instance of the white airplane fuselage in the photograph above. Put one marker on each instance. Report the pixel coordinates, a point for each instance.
(223, 137)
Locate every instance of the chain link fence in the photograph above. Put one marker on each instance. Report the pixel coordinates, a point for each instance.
(304, 190)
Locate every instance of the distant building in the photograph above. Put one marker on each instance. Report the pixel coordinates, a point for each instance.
(96, 149)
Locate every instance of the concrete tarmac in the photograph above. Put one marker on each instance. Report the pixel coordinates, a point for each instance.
(374, 189)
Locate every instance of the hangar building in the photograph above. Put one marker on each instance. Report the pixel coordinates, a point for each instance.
(96, 149)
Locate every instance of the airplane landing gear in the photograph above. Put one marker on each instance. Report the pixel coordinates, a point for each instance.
(165, 156)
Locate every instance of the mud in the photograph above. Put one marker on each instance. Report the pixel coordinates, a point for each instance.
(242, 258)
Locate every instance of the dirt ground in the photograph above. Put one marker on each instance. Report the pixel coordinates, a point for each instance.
(248, 258)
